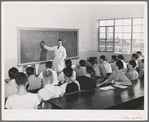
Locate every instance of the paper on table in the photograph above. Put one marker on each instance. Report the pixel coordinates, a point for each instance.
(120, 86)
(107, 88)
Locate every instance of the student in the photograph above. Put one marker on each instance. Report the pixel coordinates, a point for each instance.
(139, 54)
(22, 99)
(60, 55)
(132, 74)
(49, 90)
(48, 66)
(118, 75)
(134, 57)
(11, 86)
(69, 85)
(68, 64)
(113, 61)
(82, 70)
(141, 72)
(91, 62)
(104, 66)
(121, 57)
(86, 82)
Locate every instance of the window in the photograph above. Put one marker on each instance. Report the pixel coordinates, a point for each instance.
(123, 36)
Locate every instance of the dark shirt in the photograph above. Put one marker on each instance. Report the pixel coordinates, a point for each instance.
(86, 83)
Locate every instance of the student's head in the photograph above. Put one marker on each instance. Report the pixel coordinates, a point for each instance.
(59, 41)
(91, 61)
(48, 64)
(12, 72)
(90, 70)
(68, 72)
(68, 63)
(82, 63)
(48, 77)
(30, 71)
(139, 53)
(113, 58)
(142, 63)
(119, 64)
(41, 44)
(120, 57)
(21, 79)
(72, 87)
(102, 58)
(134, 56)
(132, 64)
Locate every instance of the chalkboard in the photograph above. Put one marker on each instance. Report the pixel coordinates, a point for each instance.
(29, 39)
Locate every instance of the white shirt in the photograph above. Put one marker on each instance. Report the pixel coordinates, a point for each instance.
(55, 82)
(81, 71)
(28, 101)
(49, 91)
(60, 55)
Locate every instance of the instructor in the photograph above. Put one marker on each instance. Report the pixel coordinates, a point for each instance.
(60, 55)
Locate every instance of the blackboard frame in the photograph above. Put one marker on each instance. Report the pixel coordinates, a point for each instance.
(44, 29)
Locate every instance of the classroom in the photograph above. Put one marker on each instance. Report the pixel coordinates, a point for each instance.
(97, 29)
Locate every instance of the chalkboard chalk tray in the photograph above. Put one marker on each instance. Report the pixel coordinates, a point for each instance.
(29, 50)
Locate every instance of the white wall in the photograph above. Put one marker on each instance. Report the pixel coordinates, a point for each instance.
(48, 15)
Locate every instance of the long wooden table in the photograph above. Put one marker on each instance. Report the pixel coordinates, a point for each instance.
(128, 98)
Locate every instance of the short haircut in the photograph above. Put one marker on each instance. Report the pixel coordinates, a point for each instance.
(142, 60)
(119, 64)
(71, 87)
(30, 71)
(21, 78)
(91, 60)
(90, 70)
(12, 72)
(82, 62)
(68, 71)
(49, 64)
(59, 40)
(121, 57)
(139, 52)
(68, 63)
(47, 74)
(135, 55)
(133, 63)
(114, 57)
(103, 57)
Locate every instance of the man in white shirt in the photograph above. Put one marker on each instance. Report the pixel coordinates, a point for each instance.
(48, 66)
(60, 55)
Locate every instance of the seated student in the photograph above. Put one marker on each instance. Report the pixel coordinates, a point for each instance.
(86, 82)
(113, 61)
(91, 62)
(49, 90)
(69, 85)
(117, 75)
(33, 81)
(132, 74)
(139, 54)
(121, 57)
(68, 64)
(48, 66)
(134, 57)
(11, 86)
(82, 70)
(141, 72)
(104, 66)
(22, 99)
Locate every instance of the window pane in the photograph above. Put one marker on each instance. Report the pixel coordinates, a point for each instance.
(102, 47)
(126, 35)
(110, 36)
(143, 28)
(118, 35)
(126, 49)
(118, 29)
(110, 22)
(137, 21)
(102, 41)
(109, 45)
(136, 35)
(143, 21)
(136, 28)
(118, 42)
(143, 36)
(126, 28)
(118, 49)
(127, 22)
(103, 23)
(102, 29)
(136, 45)
(109, 29)
(118, 22)
(102, 36)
